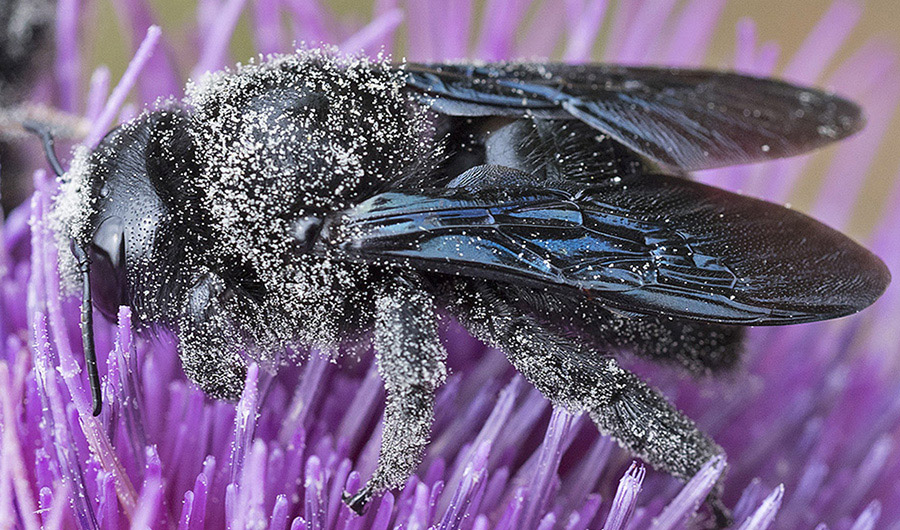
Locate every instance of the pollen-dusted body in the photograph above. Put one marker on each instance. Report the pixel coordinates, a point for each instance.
(314, 200)
(224, 222)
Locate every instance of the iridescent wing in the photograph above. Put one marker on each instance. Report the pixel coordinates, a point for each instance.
(651, 244)
(681, 119)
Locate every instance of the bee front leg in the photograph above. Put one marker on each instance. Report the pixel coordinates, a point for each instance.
(411, 363)
(212, 363)
(209, 343)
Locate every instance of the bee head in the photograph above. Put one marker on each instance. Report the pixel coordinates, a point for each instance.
(109, 211)
(115, 207)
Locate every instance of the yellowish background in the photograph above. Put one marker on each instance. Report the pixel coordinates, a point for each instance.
(787, 22)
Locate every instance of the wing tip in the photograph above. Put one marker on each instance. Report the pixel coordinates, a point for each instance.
(879, 278)
(849, 118)
(873, 279)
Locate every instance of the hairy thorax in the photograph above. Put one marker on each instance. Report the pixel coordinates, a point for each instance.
(281, 146)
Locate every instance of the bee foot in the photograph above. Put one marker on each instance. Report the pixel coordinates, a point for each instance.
(359, 500)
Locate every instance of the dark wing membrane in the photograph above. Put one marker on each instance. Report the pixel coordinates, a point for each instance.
(652, 245)
(684, 119)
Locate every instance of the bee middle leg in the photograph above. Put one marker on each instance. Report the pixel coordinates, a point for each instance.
(411, 362)
(580, 379)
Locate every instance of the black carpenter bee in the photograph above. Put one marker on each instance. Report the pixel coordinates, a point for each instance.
(317, 200)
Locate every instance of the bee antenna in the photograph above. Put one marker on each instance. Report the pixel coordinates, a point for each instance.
(42, 130)
(84, 266)
(87, 327)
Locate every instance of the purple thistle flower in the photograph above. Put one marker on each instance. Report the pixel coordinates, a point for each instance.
(809, 424)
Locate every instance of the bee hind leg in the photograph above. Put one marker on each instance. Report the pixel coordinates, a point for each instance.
(580, 379)
(411, 363)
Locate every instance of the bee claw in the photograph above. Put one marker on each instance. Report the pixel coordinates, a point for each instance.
(359, 500)
(721, 514)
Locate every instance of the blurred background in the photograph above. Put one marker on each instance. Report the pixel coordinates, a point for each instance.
(109, 42)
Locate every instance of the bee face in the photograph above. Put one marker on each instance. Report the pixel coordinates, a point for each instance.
(131, 199)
